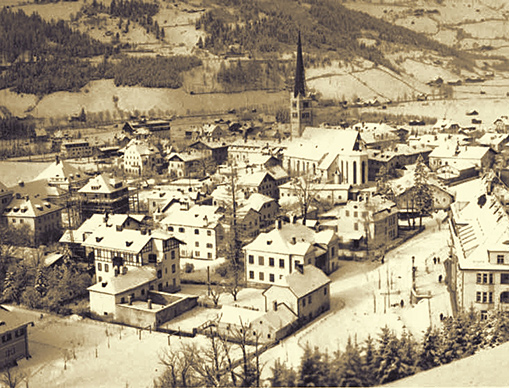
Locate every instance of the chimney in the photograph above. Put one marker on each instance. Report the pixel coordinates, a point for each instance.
(149, 304)
(57, 159)
(119, 228)
(21, 183)
(294, 240)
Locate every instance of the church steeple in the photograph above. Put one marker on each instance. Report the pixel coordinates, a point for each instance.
(299, 87)
(301, 111)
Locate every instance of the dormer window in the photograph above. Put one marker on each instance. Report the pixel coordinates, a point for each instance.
(98, 239)
(128, 243)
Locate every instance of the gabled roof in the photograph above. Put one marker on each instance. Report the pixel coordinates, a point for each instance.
(293, 239)
(38, 189)
(62, 170)
(11, 173)
(281, 318)
(302, 284)
(29, 207)
(315, 142)
(102, 184)
(459, 152)
(197, 216)
(255, 179)
(135, 277)
(141, 147)
(108, 237)
(186, 156)
(257, 200)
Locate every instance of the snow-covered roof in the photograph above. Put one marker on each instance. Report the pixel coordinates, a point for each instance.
(307, 281)
(133, 278)
(102, 184)
(202, 216)
(460, 152)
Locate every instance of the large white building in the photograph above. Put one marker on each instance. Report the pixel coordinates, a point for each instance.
(140, 157)
(273, 255)
(479, 267)
(200, 229)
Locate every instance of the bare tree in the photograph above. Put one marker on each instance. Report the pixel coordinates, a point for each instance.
(11, 379)
(215, 294)
(306, 190)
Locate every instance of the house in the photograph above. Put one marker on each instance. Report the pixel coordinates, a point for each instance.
(40, 135)
(200, 229)
(275, 254)
(306, 292)
(104, 194)
(63, 175)
(130, 266)
(404, 189)
(479, 156)
(159, 128)
(257, 327)
(190, 164)
(496, 141)
(141, 158)
(218, 151)
(241, 151)
(395, 158)
(44, 219)
(446, 125)
(5, 197)
(377, 135)
(261, 182)
(373, 220)
(214, 132)
(324, 152)
(501, 124)
(478, 270)
(76, 149)
(73, 239)
(331, 193)
(265, 206)
(14, 334)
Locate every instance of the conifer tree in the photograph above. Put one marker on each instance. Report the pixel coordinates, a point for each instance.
(422, 191)
(388, 360)
(282, 375)
(312, 368)
(368, 363)
(352, 366)
(429, 356)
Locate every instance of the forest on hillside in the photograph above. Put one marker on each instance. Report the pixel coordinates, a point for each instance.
(262, 27)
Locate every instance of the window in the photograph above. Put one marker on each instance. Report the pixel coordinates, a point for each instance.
(271, 277)
(251, 274)
(504, 278)
(491, 278)
(209, 233)
(209, 245)
(173, 268)
(209, 255)
(309, 299)
(484, 297)
(303, 302)
(260, 260)
(325, 291)
(197, 253)
(355, 214)
(490, 297)
(356, 226)
(196, 244)
(196, 231)
(261, 276)
(500, 259)
(347, 213)
(484, 315)
(170, 228)
(159, 274)
(478, 297)
(99, 266)
(182, 230)
(485, 278)
(281, 263)
(106, 268)
(271, 261)
(251, 259)
(479, 278)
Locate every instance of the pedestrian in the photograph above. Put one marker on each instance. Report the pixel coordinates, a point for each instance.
(441, 316)
(402, 303)
(383, 259)
(434, 260)
(440, 278)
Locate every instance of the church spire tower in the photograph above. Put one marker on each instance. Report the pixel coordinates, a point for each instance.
(301, 114)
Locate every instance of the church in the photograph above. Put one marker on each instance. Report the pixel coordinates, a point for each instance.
(334, 155)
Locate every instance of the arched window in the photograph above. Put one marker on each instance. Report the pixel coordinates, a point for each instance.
(354, 173)
(363, 171)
